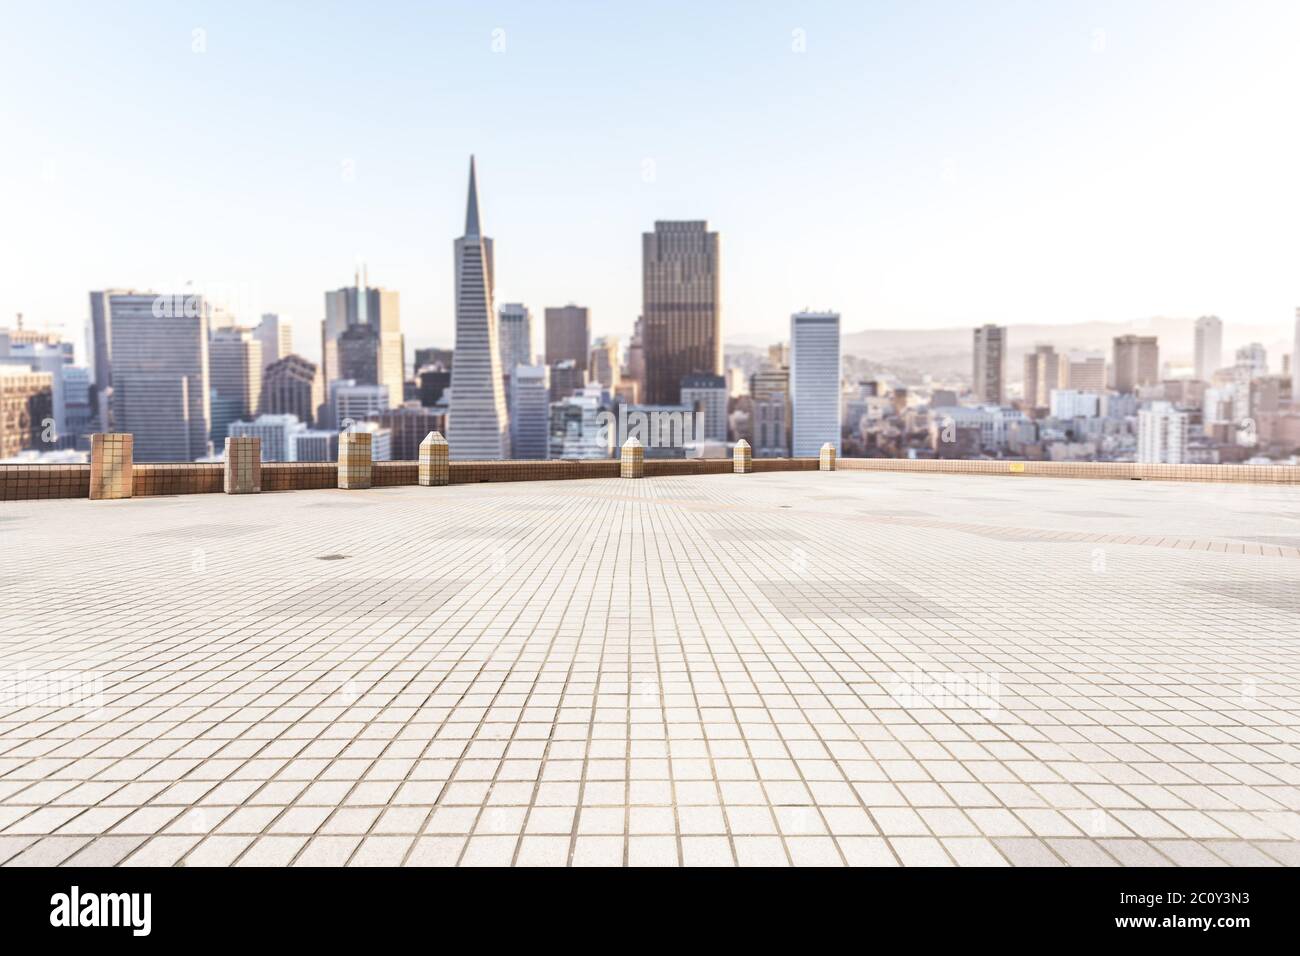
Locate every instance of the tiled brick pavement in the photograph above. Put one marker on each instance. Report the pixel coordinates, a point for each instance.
(788, 668)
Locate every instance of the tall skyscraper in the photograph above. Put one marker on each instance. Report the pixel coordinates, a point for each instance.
(530, 406)
(516, 336)
(681, 307)
(989, 373)
(99, 341)
(1042, 376)
(235, 370)
(1209, 346)
(276, 335)
(815, 381)
(159, 348)
(1137, 362)
(370, 319)
(1086, 372)
(568, 335)
(477, 423)
(292, 386)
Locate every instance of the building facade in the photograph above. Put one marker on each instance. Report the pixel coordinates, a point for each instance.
(1136, 362)
(1208, 346)
(681, 314)
(989, 370)
(1162, 435)
(568, 335)
(707, 395)
(815, 382)
(370, 318)
(291, 385)
(530, 405)
(160, 385)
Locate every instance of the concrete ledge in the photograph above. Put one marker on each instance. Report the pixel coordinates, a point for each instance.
(1264, 474)
(27, 482)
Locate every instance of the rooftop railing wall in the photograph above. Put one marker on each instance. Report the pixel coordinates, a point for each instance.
(26, 482)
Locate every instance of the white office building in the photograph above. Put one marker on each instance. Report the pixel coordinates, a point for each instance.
(815, 382)
(1209, 346)
(707, 395)
(276, 432)
(1162, 435)
(1074, 403)
(530, 407)
(515, 336)
(350, 402)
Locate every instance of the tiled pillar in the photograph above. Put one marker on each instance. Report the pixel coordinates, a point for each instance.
(110, 465)
(354, 459)
(243, 469)
(435, 467)
(633, 461)
(742, 458)
(828, 457)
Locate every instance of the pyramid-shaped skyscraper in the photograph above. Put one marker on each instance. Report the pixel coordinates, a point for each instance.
(477, 426)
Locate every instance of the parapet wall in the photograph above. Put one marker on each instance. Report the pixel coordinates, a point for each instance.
(23, 482)
(1261, 474)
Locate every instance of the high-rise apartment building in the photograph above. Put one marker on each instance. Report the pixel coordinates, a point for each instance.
(1136, 362)
(1209, 346)
(515, 338)
(1086, 372)
(681, 307)
(235, 370)
(989, 371)
(292, 386)
(815, 382)
(568, 335)
(159, 348)
(530, 405)
(1042, 375)
(1162, 435)
(477, 422)
(370, 319)
(707, 395)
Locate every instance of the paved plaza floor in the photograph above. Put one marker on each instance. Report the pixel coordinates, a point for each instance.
(786, 668)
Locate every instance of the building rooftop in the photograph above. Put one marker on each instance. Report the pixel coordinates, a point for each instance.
(787, 667)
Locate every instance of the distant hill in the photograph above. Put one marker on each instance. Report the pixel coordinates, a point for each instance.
(948, 351)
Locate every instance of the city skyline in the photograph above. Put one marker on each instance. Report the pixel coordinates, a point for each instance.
(277, 230)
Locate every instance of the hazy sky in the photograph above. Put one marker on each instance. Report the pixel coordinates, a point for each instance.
(910, 164)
